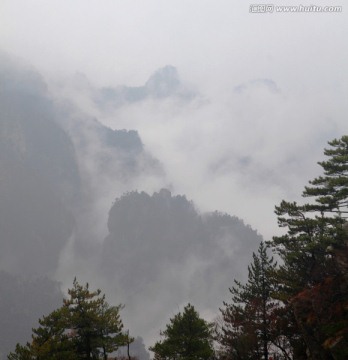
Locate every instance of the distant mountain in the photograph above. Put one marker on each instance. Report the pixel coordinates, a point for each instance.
(161, 252)
(39, 177)
(116, 153)
(164, 83)
(49, 156)
(60, 170)
(50, 159)
(148, 233)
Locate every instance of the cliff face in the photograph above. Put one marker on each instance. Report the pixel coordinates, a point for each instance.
(162, 241)
(55, 165)
(39, 177)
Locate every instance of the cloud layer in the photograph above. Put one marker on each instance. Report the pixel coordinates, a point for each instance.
(267, 91)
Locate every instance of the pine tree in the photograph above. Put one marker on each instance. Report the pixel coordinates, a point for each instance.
(331, 190)
(187, 337)
(85, 327)
(21, 353)
(313, 227)
(309, 268)
(94, 324)
(52, 340)
(246, 322)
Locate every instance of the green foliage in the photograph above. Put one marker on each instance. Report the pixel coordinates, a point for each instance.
(85, 327)
(187, 337)
(331, 190)
(21, 353)
(313, 227)
(313, 273)
(96, 326)
(246, 329)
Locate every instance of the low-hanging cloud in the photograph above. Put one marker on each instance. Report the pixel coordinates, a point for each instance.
(240, 151)
(252, 104)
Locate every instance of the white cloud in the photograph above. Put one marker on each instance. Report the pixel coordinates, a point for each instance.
(236, 151)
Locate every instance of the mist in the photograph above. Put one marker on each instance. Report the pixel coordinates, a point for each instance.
(118, 118)
(240, 151)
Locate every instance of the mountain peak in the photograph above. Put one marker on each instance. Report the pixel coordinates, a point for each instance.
(163, 82)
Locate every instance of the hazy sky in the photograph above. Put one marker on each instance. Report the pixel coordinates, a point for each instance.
(273, 87)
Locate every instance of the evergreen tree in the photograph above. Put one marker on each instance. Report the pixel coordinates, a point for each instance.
(96, 326)
(85, 327)
(312, 251)
(331, 190)
(313, 227)
(246, 323)
(21, 353)
(52, 340)
(187, 337)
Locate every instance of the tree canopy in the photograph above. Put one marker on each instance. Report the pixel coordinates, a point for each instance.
(299, 308)
(312, 276)
(246, 327)
(187, 337)
(84, 327)
(314, 226)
